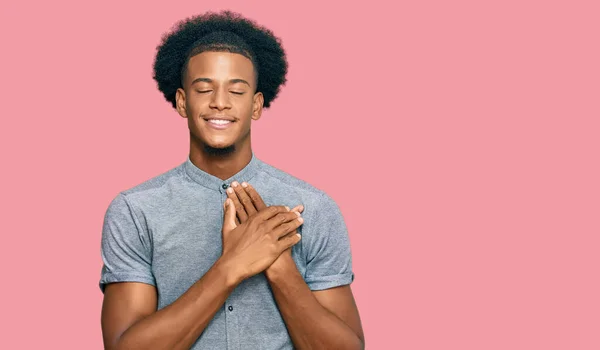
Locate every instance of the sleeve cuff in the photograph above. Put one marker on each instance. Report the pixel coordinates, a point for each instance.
(326, 282)
(113, 277)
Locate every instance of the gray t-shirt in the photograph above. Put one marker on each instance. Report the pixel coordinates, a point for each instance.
(166, 232)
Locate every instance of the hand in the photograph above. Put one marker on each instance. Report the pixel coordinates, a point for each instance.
(247, 201)
(250, 247)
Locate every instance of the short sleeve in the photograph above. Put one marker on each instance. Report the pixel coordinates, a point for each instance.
(125, 247)
(329, 260)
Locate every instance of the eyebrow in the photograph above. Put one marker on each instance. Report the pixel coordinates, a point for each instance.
(208, 80)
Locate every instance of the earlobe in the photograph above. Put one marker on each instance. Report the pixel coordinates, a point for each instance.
(180, 102)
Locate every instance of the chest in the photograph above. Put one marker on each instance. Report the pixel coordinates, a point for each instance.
(187, 241)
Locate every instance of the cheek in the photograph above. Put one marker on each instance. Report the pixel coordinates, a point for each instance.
(250, 106)
(249, 112)
(194, 106)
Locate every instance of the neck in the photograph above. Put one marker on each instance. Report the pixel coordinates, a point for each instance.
(222, 166)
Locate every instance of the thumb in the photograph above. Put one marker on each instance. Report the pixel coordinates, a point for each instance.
(229, 217)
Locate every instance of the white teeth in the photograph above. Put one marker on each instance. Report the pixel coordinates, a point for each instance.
(219, 121)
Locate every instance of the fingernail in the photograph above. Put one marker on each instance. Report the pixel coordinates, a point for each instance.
(297, 234)
(230, 190)
(297, 214)
(244, 185)
(287, 208)
(234, 184)
(301, 208)
(301, 219)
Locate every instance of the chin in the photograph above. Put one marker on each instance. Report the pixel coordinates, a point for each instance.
(219, 149)
(215, 141)
(219, 144)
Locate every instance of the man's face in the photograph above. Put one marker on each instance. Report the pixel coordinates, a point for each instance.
(218, 99)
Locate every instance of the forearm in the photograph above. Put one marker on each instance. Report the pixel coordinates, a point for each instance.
(309, 324)
(178, 325)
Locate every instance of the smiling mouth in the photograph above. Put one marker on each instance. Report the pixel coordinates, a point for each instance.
(219, 123)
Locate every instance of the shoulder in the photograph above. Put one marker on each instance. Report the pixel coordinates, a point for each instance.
(155, 183)
(150, 191)
(313, 198)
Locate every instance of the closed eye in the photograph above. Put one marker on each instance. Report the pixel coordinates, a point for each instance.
(236, 92)
(203, 91)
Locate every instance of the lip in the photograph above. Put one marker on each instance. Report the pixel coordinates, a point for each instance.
(220, 117)
(218, 126)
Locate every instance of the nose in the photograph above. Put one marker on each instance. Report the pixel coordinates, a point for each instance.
(220, 100)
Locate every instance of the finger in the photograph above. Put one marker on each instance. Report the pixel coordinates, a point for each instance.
(271, 211)
(239, 208)
(254, 196)
(299, 209)
(288, 241)
(287, 227)
(229, 217)
(280, 219)
(244, 198)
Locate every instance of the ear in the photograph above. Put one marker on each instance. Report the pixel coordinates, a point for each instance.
(257, 105)
(180, 102)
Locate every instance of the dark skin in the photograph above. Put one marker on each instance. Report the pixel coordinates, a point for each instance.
(325, 319)
(222, 85)
(130, 319)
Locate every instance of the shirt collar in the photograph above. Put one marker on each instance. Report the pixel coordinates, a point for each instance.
(215, 183)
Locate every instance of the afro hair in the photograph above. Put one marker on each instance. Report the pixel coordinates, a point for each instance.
(225, 31)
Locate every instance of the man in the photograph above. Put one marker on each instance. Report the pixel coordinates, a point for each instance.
(195, 258)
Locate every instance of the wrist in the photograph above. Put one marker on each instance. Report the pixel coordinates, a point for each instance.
(230, 271)
(283, 266)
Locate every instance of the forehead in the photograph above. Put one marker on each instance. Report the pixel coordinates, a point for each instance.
(220, 66)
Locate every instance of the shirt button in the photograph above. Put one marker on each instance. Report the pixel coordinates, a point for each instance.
(225, 186)
(230, 308)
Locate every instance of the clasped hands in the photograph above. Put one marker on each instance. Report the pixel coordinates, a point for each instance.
(257, 237)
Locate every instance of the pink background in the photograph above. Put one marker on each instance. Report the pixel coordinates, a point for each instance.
(460, 139)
